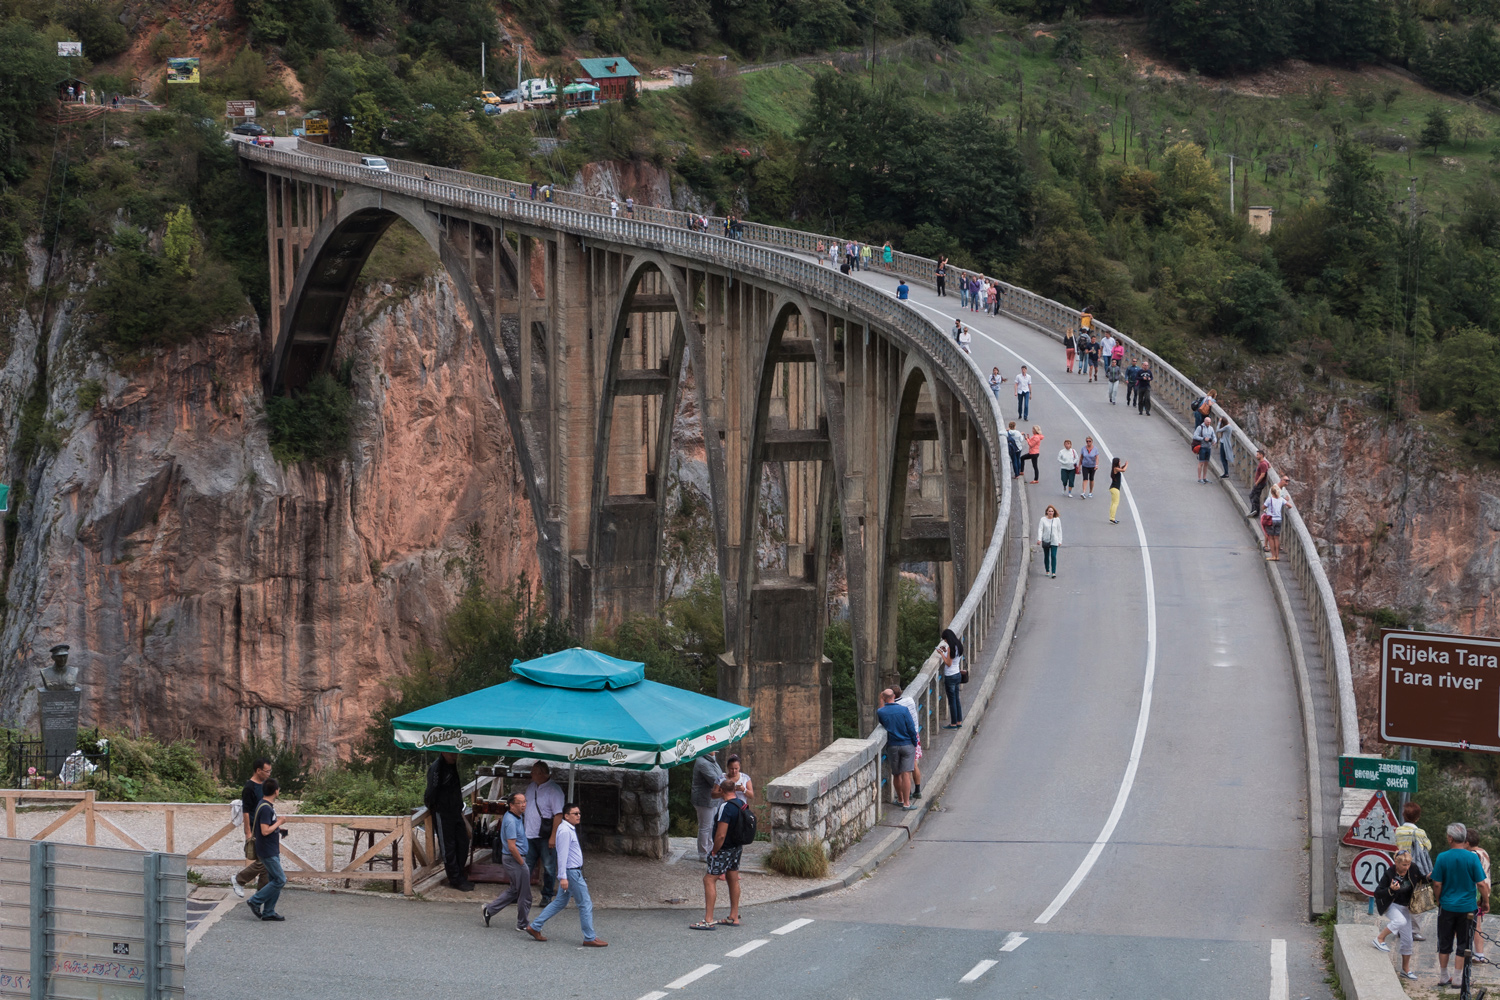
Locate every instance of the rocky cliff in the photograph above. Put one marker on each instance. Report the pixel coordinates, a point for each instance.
(209, 592)
(1408, 525)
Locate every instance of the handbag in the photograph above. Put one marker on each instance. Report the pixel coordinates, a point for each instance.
(1421, 898)
(1265, 520)
(963, 675)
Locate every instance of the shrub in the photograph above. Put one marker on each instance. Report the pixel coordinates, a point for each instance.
(147, 301)
(144, 769)
(799, 860)
(287, 765)
(349, 792)
(89, 394)
(315, 423)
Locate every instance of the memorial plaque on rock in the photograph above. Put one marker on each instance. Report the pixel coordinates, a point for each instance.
(59, 725)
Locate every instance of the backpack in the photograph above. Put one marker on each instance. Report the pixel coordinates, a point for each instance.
(1421, 860)
(1198, 403)
(742, 830)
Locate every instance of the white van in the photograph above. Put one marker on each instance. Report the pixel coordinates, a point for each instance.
(374, 163)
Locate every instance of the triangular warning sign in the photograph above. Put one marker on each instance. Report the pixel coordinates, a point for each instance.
(1376, 826)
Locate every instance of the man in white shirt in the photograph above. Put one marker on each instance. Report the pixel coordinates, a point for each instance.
(572, 884)
(1107, 347)
(1023, 395)
(544, 801)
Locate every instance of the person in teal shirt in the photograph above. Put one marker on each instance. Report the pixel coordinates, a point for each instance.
(1459, 881)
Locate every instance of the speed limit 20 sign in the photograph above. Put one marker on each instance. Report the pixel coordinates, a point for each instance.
(1369, 869)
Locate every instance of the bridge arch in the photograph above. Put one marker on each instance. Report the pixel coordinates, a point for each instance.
(639, 400)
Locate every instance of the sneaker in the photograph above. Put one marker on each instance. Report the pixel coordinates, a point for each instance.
(1380, 945)
(239, 890)
(1418, 937)
(1407, 975)
(254, 907)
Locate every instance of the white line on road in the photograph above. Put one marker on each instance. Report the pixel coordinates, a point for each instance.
(655, 995)
(747, 948)
(691, 977)
(979, 970)
(1143, 718)
(1013, 941)
(1279, 986)
(788, 928)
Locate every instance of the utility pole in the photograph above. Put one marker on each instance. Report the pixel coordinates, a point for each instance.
(519, 47)
(1231, 183)
(481, 65)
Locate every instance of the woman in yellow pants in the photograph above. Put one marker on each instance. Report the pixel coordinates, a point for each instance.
(1116, 470)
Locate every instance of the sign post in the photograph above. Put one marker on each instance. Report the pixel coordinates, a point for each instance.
(239, 109)
(1440, 690)
(1373, 772)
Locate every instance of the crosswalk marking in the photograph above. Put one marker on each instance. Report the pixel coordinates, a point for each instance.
(979, 970)
(788, 928)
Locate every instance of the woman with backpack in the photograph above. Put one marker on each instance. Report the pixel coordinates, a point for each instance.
(951, 649)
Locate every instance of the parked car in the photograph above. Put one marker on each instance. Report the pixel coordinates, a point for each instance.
(264, 140)
(375, 163)
(249, 128)
(487, 97)
(493, 109)
(511, 96)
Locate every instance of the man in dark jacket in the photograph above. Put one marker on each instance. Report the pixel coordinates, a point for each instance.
(444, 798)
(1132, 375)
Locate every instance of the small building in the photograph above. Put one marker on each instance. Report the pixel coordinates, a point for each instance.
(682, 76)
(614, 75)
(1260, 218)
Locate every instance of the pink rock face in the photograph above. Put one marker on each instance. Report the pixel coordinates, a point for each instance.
(1402, 521)
(209, 592)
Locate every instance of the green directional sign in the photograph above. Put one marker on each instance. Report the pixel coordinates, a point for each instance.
(1374, 772)
(4, 498)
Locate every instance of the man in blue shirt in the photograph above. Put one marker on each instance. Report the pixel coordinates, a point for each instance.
(902, 291)
(267, 829)
(900, 744)
(513, 844)
(570, 870)
(1459, 882)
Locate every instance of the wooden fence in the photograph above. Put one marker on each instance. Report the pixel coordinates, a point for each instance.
(401, 833)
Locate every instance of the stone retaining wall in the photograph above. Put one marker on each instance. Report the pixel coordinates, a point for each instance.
(830, 798)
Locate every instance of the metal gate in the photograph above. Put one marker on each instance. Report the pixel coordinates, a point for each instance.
(91, 923)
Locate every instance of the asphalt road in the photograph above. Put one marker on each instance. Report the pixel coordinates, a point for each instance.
(1129, 822)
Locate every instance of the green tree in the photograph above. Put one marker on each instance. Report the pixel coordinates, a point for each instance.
(1254, 307)
(180, 244)
(1461, 376)
(1468, 126)
(27, 71)
(1224, 38)
(1435, 129)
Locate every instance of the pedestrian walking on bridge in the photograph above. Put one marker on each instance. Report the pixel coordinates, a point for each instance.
(1258, 484)
(1226, 445)
(1015, 441)
(1049, 537)
(1034, 452)
(1023, 394)
(1067, 458)
(570, 884)
(1088, 460)
(1204, 438)
(1116, 473)
(1132, 377)
(1143, 389)
(250, 797)
(268, 833)
(513, 859)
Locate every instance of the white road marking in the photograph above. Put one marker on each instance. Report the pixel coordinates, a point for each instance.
(747, 948)
(1013, 941)
(655, 995)
(979, 970)
(794, 925)
(1143, 718)
(1279, 984)
(691, 977)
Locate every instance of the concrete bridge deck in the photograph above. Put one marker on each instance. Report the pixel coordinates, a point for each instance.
(1131, 819)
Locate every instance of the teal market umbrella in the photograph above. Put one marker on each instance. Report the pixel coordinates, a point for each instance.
(581, 707)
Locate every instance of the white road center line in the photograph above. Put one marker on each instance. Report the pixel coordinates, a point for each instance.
(979, 970)
(746, 948)
(794, 925)
(1143, 718)
(691, 977)
(655, 995)
(1279, 986)
(1013, 941)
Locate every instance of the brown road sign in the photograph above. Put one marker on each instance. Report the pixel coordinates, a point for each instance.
(1440, 690)
(239, 109)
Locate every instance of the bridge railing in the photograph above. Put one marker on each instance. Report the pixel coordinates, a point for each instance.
(667, 230)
